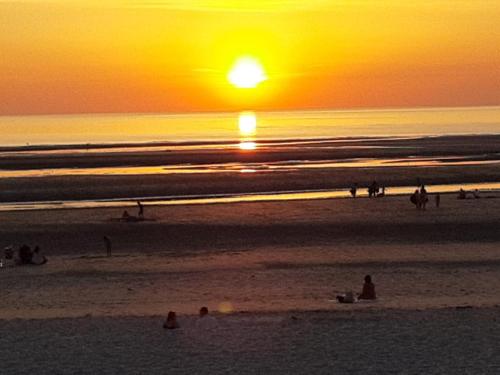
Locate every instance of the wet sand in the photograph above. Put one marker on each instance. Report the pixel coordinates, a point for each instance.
(223, 178)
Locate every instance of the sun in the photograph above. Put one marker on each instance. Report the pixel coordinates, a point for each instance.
(246, 73)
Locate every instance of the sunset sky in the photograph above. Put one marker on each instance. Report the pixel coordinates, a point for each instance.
(75, 56)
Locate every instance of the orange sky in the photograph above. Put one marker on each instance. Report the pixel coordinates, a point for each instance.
(78, 56)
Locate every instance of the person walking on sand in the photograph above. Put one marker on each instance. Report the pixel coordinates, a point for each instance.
(107, 243)
(141, 209)
(368, 289)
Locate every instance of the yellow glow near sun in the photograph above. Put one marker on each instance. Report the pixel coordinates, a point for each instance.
(246, 73)
(247, 123)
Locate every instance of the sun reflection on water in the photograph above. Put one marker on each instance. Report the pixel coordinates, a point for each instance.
(248, 145)
(247, 124)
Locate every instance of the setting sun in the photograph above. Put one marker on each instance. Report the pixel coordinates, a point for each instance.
(247, 72)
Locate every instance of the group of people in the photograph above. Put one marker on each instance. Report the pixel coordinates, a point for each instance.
(420, 198)
(374, 190)
(368, 293)
(24, 255)
(462, 194)
(204, 320)
(140, 214)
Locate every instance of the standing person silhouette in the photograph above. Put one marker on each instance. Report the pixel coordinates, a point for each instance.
(423, 197)
(141, 209)
(438, 199)
(354, 190)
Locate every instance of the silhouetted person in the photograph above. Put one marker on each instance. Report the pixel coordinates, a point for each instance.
(205, 320)
(107, 243)
(25, 254)
(171, 322)
(415, 199)
(438, 199)
(476, 194)
(38, 258)
(373, 189)
(462, 194)
(368, 289)
(423, 197)
(141, 209)
(354, 190)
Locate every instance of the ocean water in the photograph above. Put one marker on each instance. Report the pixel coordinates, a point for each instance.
(245, 127)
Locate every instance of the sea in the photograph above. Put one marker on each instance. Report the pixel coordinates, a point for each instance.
(271, 134)
(245, 126)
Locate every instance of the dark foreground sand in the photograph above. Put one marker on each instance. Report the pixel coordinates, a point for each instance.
(445, 341)
(256, 265)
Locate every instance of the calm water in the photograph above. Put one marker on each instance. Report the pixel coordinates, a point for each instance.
(245, 127)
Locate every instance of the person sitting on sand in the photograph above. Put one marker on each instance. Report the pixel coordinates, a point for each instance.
(462, 194)
(368, 289)
(38, 258)
(171, 322)
(205, 320)
(25, 254)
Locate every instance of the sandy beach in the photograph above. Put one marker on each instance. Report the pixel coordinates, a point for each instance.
(322, 178)
(255, 265)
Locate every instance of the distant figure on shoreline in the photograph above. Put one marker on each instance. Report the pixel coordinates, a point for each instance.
(438, 199)
(373, 189)
(368, 289)
(171, 322)
(141, 209)
(423, 197)
(107, 243)
(354, 190)
(476, 194)
(415, 199)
